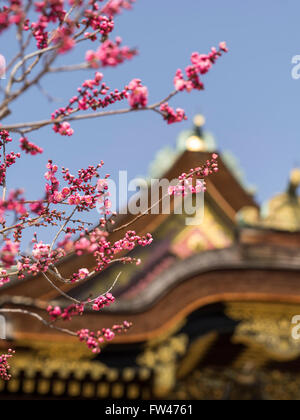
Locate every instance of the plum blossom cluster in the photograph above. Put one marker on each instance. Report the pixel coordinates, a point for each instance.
(201, 64)
(11, 14)
(79, 192)
(109, 54)
(10, 159)
(130, 260)
(185, 185)
(138, 94)
(82, 193)
(4, 137)
(94, 340)
(114, 7)
(66, 314)
(14, 203)
(82, 274)
(103, 301)
(48, 12)
(41, 259)
(4, 365)
(4, 279)
(63, 38)
(39, 32)
(64, 129)
(104, 203)
(30, 148)
(87, 98)
(40, 251)
(53, 186)
(172, 116)
(9, 253)
(96, 242)
(57, 313)
(99, 20)
(99, 23)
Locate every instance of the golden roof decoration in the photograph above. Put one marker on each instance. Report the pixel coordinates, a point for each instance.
(197, 139)
(282, 212)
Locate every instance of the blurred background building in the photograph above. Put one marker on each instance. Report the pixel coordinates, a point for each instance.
(211, 304)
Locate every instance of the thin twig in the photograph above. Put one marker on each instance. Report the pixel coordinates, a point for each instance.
(62, 293)
(39, 318)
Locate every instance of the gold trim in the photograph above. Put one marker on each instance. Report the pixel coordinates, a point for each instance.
(266, 326)
(195, 354)
(162, 357)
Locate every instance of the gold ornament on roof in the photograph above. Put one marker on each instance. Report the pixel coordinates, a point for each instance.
(195, 142)
(282, 212)
(295, 177)
(199, 120)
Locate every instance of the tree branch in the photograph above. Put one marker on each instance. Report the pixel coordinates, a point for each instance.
(39, 318)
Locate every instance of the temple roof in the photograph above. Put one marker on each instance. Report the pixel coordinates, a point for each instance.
(212, 291)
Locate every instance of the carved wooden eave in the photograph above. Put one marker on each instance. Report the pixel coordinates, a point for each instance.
(243, 273)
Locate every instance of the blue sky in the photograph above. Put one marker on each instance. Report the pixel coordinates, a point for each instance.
(251, 102)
